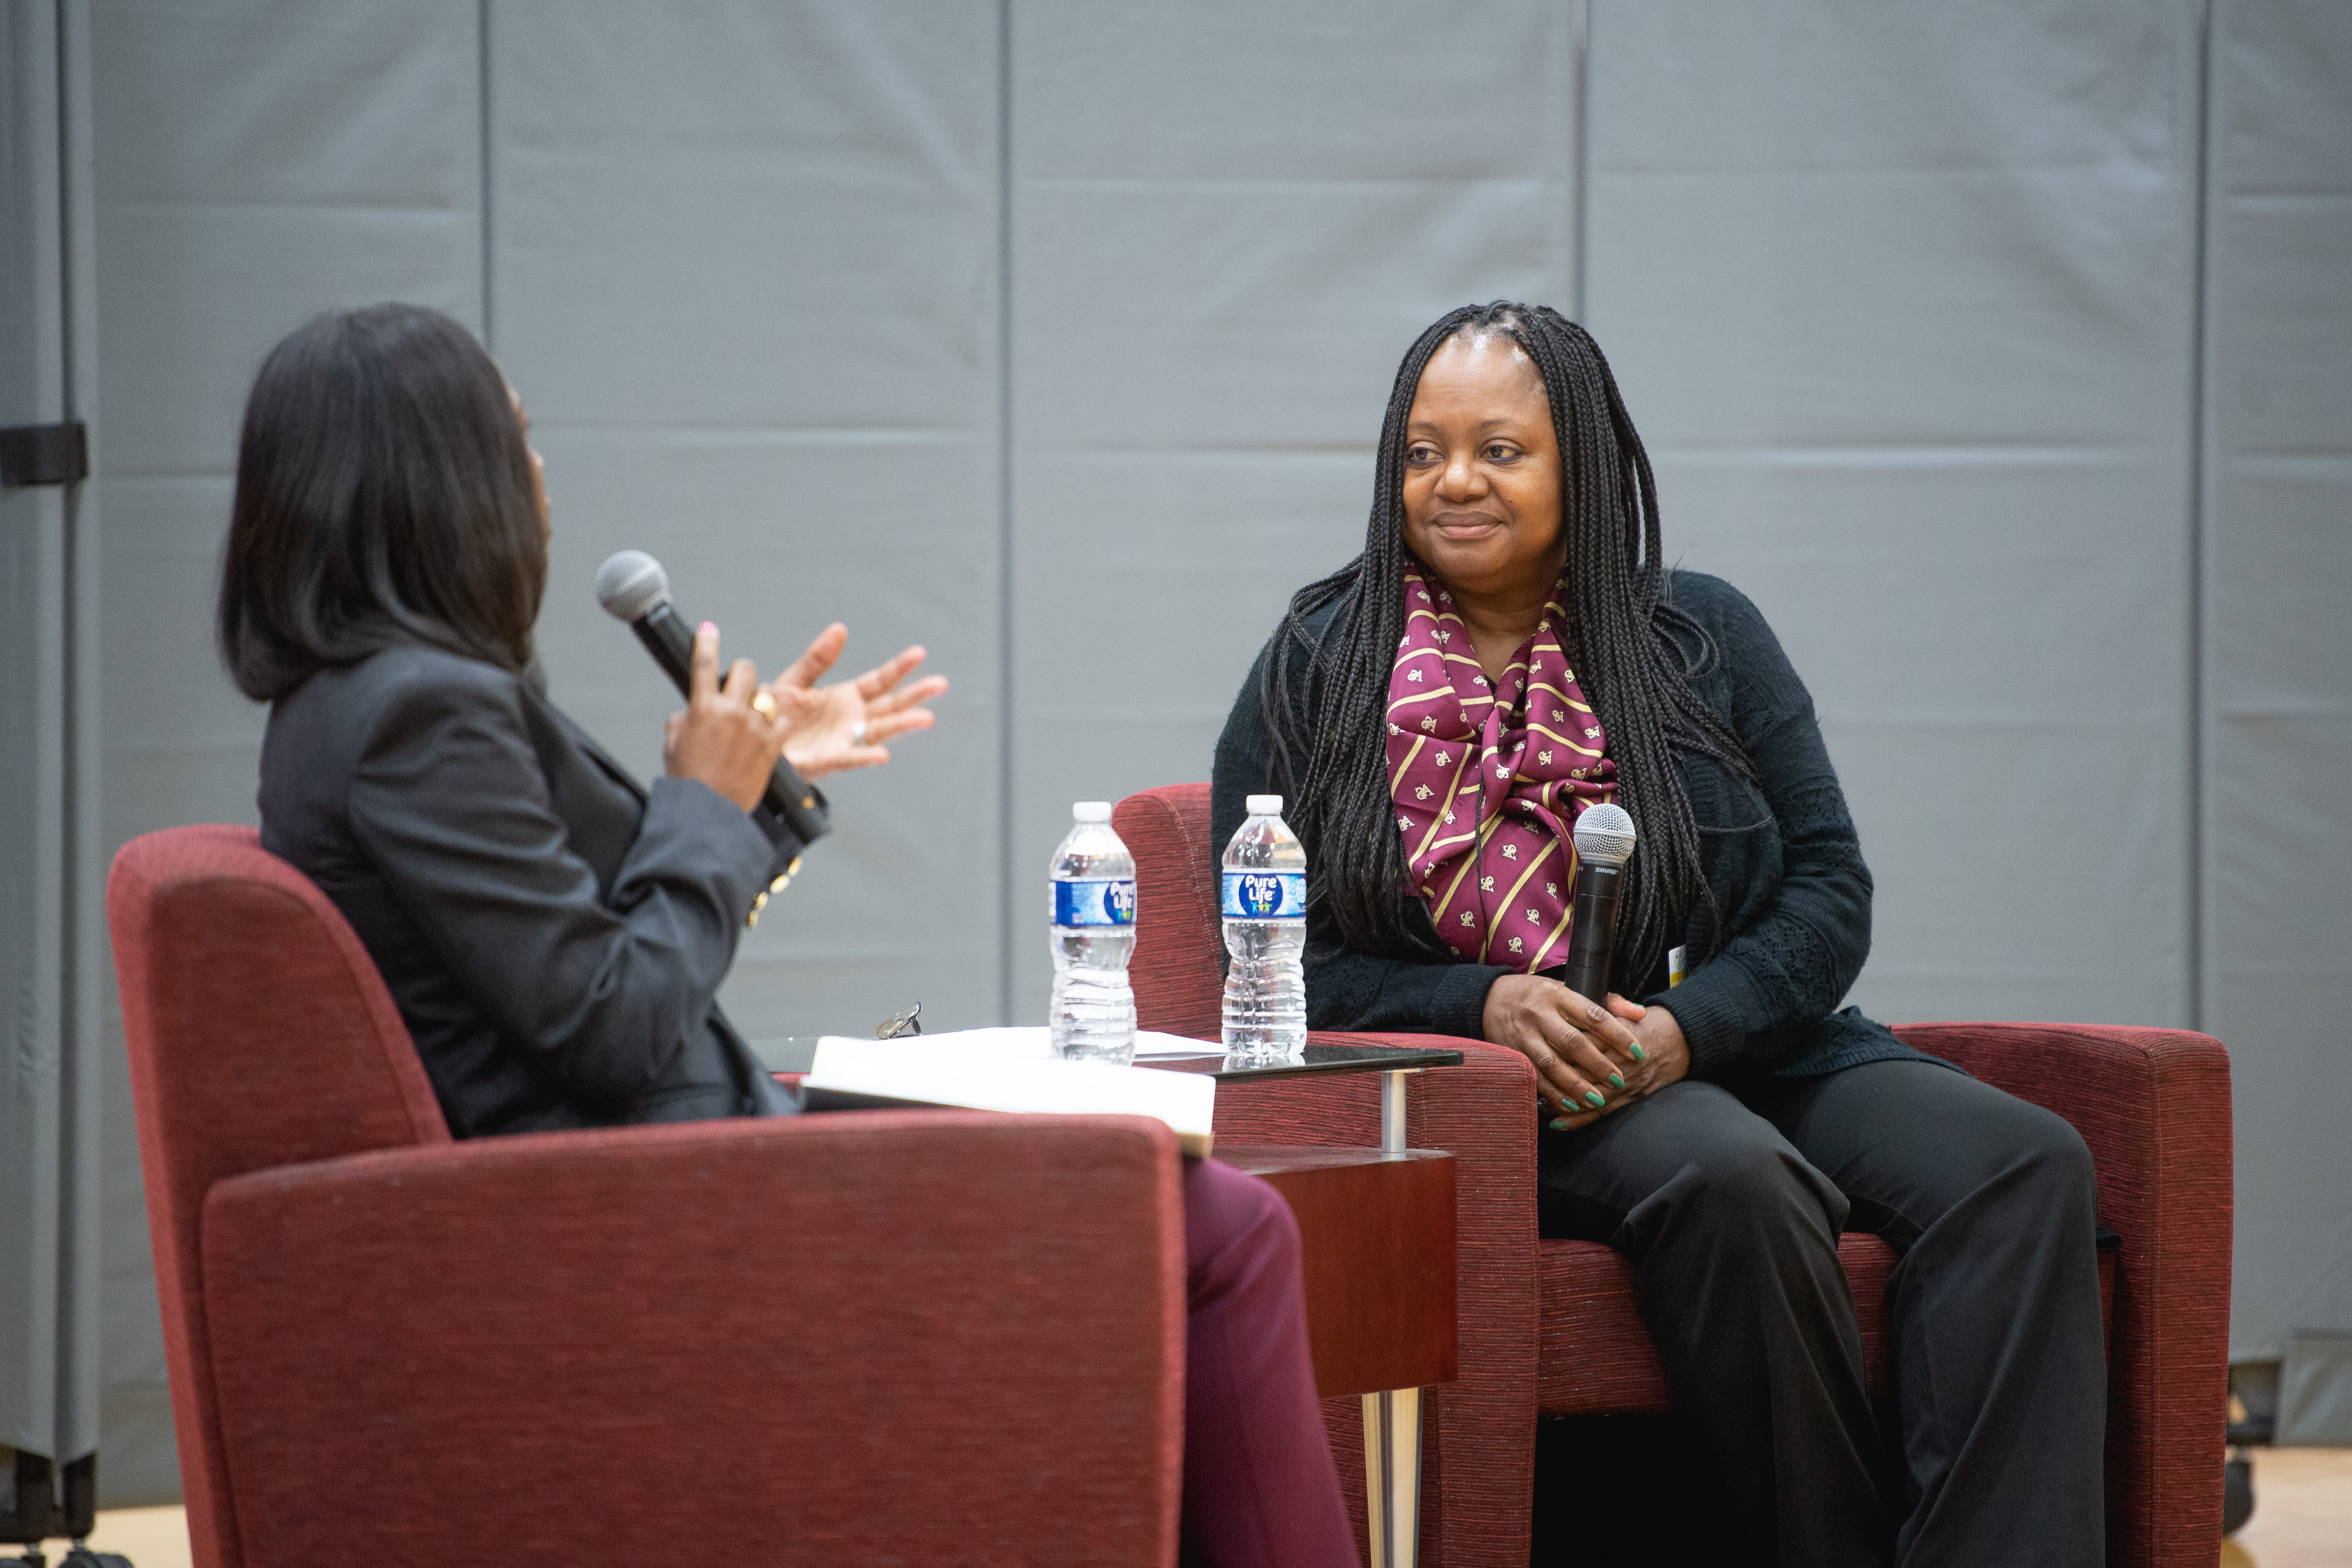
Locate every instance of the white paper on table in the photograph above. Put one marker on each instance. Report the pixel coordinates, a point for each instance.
(1035, 1041)
(1016, 1042)
(1011, 1075)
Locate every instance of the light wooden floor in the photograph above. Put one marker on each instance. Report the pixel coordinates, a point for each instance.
(150, 1537)
(2302, 1511)
(2303, 1519)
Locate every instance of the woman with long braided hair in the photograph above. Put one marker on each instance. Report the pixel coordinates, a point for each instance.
(1510, 649)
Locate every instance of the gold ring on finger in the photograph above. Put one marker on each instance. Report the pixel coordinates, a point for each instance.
(764, 705)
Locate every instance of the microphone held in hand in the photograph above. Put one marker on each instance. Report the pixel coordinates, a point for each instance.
(632, 586)
(1604, 842)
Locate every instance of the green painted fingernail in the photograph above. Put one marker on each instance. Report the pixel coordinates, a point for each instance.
(1559, 1124)
(1639, 1054)
(1615, 1081)
(1592, 1097)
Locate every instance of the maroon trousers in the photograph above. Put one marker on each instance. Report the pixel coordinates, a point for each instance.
(1260, 1487)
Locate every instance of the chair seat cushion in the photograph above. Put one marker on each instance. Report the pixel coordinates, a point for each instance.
(1597, 1356)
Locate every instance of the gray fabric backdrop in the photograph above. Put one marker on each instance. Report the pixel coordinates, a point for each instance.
(1904, 304)
(2008, 379)
(2276, 568)
(52, 955)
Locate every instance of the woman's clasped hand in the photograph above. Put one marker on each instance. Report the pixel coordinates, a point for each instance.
(734, 729)
(1589, 1059)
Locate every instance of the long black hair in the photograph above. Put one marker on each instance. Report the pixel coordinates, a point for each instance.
(1331, 760)
(384, 495)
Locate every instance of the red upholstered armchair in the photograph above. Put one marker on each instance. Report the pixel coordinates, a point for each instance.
(844, 1339)
(1548, 1327)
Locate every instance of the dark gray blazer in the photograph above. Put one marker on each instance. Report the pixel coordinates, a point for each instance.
(553, 934)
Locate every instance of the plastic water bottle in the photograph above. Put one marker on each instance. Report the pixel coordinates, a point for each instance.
(1093, 1014)
(1264, 902)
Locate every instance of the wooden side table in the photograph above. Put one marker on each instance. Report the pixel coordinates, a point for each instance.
(1377, 1229)
(1377, 1242)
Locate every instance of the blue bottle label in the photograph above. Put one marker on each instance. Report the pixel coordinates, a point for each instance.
(1266, 895)
(1094, 902)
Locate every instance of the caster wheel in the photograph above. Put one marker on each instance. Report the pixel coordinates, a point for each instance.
(2237, 1495)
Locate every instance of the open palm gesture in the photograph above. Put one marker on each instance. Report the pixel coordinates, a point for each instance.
(830, 729)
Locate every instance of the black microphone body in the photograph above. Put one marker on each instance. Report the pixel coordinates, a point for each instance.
(1594, 931)
(670, 640)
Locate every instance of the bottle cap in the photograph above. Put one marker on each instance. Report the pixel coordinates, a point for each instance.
(1265, 804)
(1090, 811)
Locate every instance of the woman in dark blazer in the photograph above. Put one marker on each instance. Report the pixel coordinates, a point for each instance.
(1509, 650)
(553, 934)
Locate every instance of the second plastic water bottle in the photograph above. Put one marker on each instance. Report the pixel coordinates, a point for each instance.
(1264, 899)
(1093, 1011)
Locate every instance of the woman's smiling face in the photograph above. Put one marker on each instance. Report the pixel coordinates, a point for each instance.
(1482, 471)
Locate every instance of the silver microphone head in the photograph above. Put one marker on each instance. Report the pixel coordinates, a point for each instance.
(1605, 836)
(630, 584)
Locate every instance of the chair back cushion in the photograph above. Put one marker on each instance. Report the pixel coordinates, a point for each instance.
(866, 1337)
(259, 1034)
(1178, 969)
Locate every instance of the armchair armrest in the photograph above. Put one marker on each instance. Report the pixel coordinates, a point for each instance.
(2153, 1106)
(1477, 1468)
(924, 1336)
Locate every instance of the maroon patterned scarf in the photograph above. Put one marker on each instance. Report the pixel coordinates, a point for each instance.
(1488, 782)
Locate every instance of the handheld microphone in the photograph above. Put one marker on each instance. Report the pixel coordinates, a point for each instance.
(633, 587)
(1604, 842)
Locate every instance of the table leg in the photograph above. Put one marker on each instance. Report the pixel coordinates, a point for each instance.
(1392, 1419)
(1392, 1475)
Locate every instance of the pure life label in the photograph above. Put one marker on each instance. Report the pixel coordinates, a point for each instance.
(1094, 902)
(1266, 895)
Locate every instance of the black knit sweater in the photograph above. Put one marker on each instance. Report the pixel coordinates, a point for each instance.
(1781, 858)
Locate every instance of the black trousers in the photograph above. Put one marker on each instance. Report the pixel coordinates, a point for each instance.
(1729, 1202)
